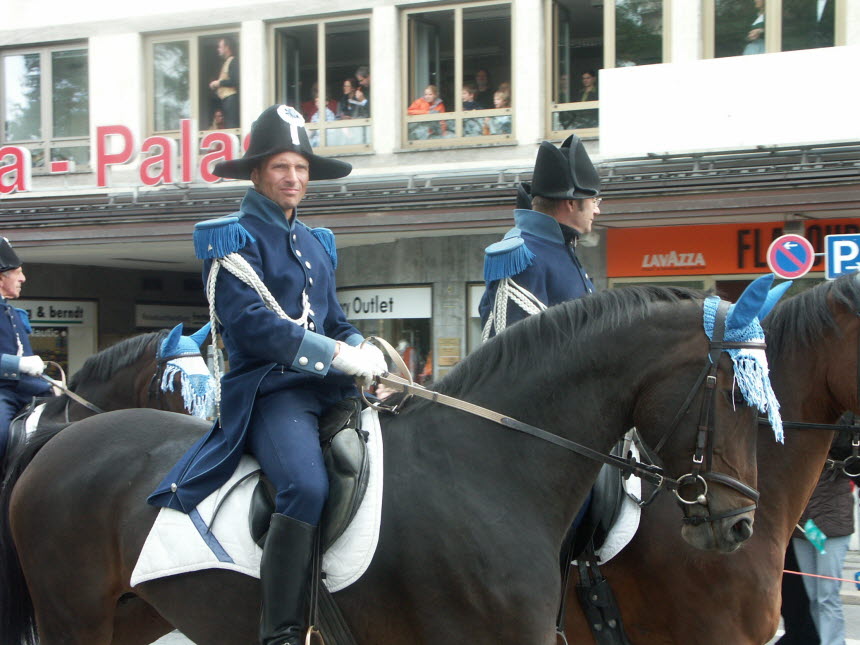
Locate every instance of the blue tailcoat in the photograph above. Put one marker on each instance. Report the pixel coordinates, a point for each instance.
(535, 255)
(289, 258)
(16, 389)
(15, 325)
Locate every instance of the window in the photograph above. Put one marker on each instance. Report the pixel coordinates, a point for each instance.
(340, 66)
(45, 104)
(588, 35)
(459, 65)
(194, 77)
(577, 39)
(737, 27)
(638, 33)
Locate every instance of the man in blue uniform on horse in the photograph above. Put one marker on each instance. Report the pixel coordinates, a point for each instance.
(19, 368)
(271, 286)
(535, 266)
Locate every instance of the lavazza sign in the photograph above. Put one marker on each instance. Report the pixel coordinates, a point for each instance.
(164, 160)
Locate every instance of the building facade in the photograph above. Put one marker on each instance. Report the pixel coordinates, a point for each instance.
(716, 126)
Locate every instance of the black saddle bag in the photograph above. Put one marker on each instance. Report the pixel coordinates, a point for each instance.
(344, 448)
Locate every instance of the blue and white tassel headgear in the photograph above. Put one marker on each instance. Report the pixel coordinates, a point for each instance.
(750, 365)
(182, 354)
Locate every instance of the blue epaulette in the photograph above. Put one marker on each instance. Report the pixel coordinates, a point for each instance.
(326, 238)
(24, 317)
(216, 238)
(506, 258)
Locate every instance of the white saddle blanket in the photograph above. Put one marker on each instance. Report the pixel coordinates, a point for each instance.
(626, 525)
(181, 543)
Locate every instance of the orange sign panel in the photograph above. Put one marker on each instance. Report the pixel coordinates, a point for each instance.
(708, 249)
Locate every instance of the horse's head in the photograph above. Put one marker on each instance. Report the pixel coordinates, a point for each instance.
(179, 360)
(716, 418)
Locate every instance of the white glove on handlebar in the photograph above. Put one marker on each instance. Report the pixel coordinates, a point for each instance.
(31, 365)
(365, 362)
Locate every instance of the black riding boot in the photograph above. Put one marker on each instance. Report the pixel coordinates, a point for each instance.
(284, 574)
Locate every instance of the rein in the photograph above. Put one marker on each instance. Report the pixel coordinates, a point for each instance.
(61, 385)
(853, 428)
(651, 473)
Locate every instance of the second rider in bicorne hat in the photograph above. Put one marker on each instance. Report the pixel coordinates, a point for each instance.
(535, 265)
(292, 355)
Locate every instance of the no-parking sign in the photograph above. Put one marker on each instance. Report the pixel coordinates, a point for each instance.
(790, 256)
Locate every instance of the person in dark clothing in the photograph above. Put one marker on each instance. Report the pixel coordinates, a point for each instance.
(226, 86)
(19, 367)
(535, 265)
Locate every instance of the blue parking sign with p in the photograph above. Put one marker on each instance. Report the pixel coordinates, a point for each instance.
(842, 254)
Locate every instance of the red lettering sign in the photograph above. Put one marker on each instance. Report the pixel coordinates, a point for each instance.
(223, 146)
(105, 158)
(17, 175)
(164, 162)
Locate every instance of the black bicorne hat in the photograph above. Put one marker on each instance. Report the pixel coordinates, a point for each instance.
(566, 172)
(8, 258)
(280, 129)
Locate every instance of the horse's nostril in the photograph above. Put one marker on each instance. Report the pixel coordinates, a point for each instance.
(742, 530)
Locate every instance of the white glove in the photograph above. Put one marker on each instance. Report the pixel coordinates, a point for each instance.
(32, 365)
(365, 362)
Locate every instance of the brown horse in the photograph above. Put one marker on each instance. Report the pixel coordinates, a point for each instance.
(162, 370)
(813, 354)
(129, 374)
(473, 514)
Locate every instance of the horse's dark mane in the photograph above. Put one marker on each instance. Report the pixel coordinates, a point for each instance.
(102, 366)
(801, 320)
(571, 324)
(99, 367)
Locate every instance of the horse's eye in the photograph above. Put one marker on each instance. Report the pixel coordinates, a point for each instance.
(737, 398)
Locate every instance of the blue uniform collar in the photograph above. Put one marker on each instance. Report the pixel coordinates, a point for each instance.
(263, 208)
(538, 224)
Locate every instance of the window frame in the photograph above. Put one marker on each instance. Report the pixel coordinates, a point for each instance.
(193, 38)
(773, 33)
(47, 142)
(458, 115)
(551, 36)
(322, 126)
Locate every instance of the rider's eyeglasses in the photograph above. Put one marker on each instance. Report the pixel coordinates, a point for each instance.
(597, 200)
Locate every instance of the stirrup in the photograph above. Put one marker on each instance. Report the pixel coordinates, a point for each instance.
(314, 634)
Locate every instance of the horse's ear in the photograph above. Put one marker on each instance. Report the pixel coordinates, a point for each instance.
(750, 303)
(171, 341)
(773, 297)
(199, 336)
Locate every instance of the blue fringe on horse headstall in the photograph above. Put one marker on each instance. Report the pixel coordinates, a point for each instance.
(197, 386)
(326, 238)
(506, 258)
(217, 238)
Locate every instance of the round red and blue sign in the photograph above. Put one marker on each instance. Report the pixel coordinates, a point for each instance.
(790, 256)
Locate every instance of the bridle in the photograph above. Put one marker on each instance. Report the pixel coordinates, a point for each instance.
(851, 465)
(153, 391)
(700, 472)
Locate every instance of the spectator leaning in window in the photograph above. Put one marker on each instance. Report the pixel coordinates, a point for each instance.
(589, 86)
(362, 75)
(311, 106)
(226, 86)
(430, 102)
(347, 104)
(500, 124)
(484, 96)
(470, 93)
